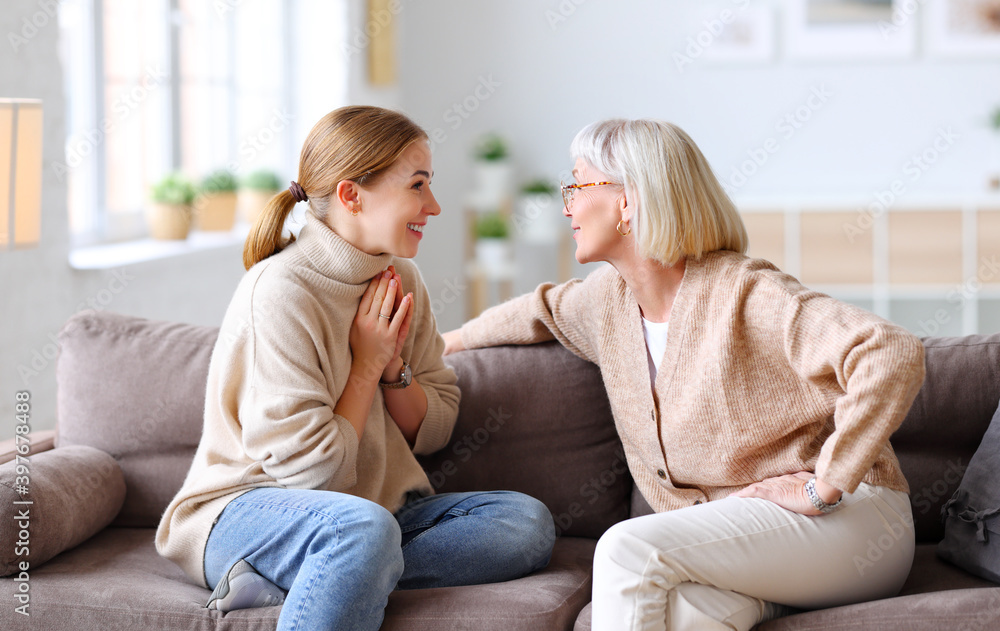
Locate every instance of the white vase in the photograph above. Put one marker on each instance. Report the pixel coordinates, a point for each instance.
(493, 184)
(539, 218)
(493, 256)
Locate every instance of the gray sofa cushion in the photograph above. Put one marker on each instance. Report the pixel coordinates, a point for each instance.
(117, 582)
(532, 419)
(946, 423)
(74, 493)
(135, 389)
(536, 419)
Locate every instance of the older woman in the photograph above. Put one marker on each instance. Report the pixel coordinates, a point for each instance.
(755, 413)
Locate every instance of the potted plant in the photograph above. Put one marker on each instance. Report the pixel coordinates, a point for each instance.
(169, 215)
(492, 172)
(539, 212)
(215, 208)
(492, 245)
(256, 190)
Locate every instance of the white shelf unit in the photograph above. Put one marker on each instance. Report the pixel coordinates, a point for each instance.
(931, 263)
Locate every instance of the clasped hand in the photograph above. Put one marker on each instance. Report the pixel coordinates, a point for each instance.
(381, 325)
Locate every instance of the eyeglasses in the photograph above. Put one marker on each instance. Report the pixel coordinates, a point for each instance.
(569, 189)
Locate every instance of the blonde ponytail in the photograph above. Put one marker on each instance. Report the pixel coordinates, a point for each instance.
(265, 236)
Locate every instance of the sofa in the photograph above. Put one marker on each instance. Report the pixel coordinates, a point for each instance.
(533, 419)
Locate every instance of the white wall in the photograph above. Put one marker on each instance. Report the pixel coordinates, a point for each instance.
(616, 59)
(542, 84)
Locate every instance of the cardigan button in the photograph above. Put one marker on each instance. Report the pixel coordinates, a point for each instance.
(662, 474)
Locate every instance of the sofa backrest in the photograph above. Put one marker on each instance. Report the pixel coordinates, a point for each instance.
(946, 423)
(534, 419)
(135, 389)
(531, 419)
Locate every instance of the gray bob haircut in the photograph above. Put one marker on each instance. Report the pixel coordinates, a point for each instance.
(679, 208)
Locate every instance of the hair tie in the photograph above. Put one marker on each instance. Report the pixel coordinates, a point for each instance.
(297, 192)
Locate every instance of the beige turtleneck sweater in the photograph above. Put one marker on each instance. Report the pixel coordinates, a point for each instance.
(278, 368)
(760, 377)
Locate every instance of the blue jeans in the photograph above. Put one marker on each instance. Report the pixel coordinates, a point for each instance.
(339, 556)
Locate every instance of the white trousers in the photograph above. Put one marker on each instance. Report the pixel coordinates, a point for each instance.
(736, 562)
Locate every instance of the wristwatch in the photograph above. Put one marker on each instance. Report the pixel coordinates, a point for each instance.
(817, 501)
(405, 377)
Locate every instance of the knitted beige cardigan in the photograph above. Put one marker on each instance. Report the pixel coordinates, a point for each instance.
(760, 377)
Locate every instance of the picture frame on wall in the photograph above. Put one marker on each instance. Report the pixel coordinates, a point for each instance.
(838, 30)
(962, 28)
(735, 32)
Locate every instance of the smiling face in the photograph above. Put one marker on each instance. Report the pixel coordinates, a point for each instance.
(393, 212)
(595, 213)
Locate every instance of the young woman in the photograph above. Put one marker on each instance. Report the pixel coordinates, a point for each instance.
(755, 413)
(326, 378)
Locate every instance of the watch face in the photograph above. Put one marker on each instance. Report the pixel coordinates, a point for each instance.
(407, 375)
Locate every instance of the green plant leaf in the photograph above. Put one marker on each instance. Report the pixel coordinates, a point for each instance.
(174, 189)
(220, 181)
(492, 225)
(262, 180)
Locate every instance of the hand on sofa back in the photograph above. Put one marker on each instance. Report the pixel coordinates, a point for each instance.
(534, 419)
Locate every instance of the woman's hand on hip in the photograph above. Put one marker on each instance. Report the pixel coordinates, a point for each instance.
(380, 325)
(787, 491)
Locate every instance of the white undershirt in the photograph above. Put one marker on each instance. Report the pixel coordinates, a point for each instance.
(656, 343)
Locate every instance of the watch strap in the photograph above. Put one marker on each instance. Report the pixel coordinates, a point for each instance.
(404, 379)
(817, 501)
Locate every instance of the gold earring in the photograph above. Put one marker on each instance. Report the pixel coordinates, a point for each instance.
(356, 210)
(619, 229)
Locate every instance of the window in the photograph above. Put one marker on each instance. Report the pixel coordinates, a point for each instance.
(186, 85)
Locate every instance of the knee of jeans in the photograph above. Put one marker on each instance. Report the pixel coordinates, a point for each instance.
(378, 528)
(371, 537)
(538, 532)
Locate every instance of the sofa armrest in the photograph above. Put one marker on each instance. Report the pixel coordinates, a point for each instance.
(39, 441)
(53, 501)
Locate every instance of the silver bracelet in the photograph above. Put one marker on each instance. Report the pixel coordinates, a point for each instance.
(817, 501)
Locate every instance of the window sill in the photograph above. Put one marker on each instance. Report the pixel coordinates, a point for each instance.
(111, 255)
